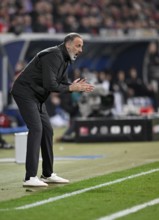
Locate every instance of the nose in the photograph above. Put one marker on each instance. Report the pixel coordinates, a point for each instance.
(80, 50)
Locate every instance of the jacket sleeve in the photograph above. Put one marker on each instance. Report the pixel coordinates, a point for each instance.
(65, 80)
(51, 64)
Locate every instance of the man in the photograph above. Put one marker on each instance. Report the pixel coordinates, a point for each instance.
(45, 74)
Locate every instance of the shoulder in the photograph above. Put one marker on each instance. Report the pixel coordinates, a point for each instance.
(51, 51)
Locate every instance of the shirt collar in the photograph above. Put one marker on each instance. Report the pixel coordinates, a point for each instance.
(65, 53)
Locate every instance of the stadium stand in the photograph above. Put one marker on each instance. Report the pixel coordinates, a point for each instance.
(84, 16)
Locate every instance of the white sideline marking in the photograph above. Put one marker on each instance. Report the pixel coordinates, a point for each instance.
(66, 195)
(7, 160)
(130, 210)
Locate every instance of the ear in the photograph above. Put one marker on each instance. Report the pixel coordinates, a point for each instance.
(67, 44)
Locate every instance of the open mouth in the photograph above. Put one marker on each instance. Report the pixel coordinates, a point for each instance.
(76, 55)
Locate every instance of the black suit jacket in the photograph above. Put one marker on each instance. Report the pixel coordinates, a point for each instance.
(45, 73)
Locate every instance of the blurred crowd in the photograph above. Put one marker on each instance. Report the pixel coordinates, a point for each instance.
(116, 94)
(127, 88)
(83, 16)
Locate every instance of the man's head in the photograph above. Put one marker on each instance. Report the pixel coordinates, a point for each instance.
(74, 44)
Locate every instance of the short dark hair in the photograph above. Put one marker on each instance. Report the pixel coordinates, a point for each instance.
(71, 37)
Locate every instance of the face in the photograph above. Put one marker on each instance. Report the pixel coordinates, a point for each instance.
(74, 48)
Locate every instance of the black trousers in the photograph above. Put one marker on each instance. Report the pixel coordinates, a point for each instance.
(40, 134)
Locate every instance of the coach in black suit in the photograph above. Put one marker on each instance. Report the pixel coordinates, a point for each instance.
(45, 74)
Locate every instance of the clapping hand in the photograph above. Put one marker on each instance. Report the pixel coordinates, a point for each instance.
(80, 85)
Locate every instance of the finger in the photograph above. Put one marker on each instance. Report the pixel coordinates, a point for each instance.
(76, 80)
(88, 88)
(83, 80)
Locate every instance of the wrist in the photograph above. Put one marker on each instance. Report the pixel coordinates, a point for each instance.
(71, 88)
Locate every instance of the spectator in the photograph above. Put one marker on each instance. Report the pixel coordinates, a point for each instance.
(73, 110)
(4, 144)
(17, 25)
(40, 25)
(58, 107)
(151, 70)
(121, 86)
(139, 90)
(135, 85)
(70, 24)
(27, 24)
(84, 26)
